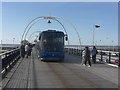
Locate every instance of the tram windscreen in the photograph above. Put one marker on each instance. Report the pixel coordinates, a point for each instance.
(52, 42)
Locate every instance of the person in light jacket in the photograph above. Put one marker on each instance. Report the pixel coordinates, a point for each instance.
(27, 48)
(83, 57)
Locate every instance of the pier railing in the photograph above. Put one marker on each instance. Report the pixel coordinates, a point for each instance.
(8, 59)
(102, 56)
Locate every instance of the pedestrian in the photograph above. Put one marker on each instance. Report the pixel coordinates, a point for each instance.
(87, 56)
(30, 49)
(27, 50)
(94, 52)
(83, 57)
(22, 50)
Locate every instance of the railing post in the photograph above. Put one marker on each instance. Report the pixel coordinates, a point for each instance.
(72, 51)
(109, 57)
(0, 69)
(77, 51)
(101, 55)
(6, 63)
(119, 59)
(9, 58)
(68, 50)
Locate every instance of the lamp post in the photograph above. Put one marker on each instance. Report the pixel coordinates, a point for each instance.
(113, 45)
(1, 45)
(100, 45)
(96, 26)
(13, 40)
(1, 42)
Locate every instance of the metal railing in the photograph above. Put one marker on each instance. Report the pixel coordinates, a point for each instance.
(9, 58)
(102, 56)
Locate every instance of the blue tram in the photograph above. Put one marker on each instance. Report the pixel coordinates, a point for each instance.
(51, 44)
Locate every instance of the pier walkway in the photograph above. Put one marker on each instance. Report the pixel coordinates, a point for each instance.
(33, 73)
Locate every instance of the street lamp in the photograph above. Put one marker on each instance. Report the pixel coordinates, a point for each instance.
(96, 26)
(49, 21)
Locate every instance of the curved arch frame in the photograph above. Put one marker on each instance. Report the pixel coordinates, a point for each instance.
(28, 27)
(48, 17)
(32, 34)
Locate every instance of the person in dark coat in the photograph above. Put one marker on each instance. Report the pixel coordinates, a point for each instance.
(22, 51)
(30, 49)
(87, 56)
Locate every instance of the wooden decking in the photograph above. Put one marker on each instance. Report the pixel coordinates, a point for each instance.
(33, 73)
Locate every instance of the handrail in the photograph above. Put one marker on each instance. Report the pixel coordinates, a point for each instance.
(104, 56)
(9, 58)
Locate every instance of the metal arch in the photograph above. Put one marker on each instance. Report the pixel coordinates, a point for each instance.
(76, 32)
(29, 25)
(29, 29)
(44, 17)
(33, 37)
(32, 34)
(63, 27)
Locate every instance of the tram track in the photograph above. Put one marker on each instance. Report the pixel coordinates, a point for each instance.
(81, 77)
(32, 72)
(65, 84)
(73, 77)
(51, 70)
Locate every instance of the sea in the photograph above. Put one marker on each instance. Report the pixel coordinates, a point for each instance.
(7, 47)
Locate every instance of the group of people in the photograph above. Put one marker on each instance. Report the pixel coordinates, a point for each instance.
(25, 50)
(86, 53)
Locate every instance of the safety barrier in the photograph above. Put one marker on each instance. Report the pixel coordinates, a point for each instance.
(73, 51)
(9, 58)
(104, 56)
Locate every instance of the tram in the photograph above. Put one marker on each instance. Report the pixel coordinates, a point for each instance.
(51, 44)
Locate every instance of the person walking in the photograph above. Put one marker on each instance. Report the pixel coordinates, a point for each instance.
(30, 49)
(83, 57)
(87, 56)
(27, 50)
(94, 52)
(22, 50)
